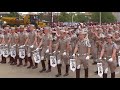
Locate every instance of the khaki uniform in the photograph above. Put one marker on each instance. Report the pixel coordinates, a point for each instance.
(82, 53)
(93, 46)
(21, 41)
(62, 48)
(108, 51)
(118, 49)
(73, 42)
(13, 41)
(6, 38)
(31, 37)
(46, 39)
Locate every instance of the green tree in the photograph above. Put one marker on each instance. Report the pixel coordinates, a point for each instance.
(64, 17)
(81, 18)
(13, 14)
(106, 17)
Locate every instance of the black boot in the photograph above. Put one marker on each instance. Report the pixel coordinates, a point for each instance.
(104, 75)
(15, 60)
(31, 62)
(94, 63)
(20, 62)
(49, 67)
(86, 73)
(117, 65)
(4, 60)
(77, 73)
(26, 60)
(96, 72)
(59, 70)
(1, 60)
(67, 70)
(113, 75)
(43, 66)
(10, 60)
(36, 66)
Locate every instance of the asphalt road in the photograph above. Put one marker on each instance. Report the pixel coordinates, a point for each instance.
(10, 71)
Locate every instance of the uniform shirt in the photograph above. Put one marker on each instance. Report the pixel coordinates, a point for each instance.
(73, 40)
(6, 37)
(109, 48)
(31, 37)
(83, 46)
(22, 38)
(13, 38)
(46, 39)
(63, 43)
(39, 37)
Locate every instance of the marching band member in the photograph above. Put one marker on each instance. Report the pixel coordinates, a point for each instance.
(116, 39)
(83, 47)
(30, 41)
(62, 49)
(46, 44)
(38, 38)
(5, 42)
(22, 40)
(13, 42)
(109, 49)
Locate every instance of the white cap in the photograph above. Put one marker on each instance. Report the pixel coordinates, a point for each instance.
(46, 28)
(6, 28)
(21, 26)
(12, 28)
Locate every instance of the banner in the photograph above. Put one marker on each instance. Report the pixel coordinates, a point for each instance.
(72, 64)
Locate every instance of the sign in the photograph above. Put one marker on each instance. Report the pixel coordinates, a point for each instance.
(72, 65)
(53, 61)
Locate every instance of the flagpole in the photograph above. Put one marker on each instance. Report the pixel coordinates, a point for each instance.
(100, 18)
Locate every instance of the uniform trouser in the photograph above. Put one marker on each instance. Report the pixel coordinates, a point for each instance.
(93, 50)
(26, 59)
(44, 56)
(111, 65)
(117, 53)
(20, 61)
(12, 59)
(81, 60)
(94, 53)
(60, 59)
(3, 59)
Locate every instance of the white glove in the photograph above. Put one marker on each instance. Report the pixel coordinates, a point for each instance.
(37, 49)
(73, 55)
(110, 60)
(6, 45)
(31, 46)
(42, 57)
(87, 57)
(64, 53)
(100, 58)
(23, 45)
(14, 45)
(119, 51)
(47, 51)
(54, 52)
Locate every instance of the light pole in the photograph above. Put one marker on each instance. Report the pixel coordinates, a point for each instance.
(73, 17)
(100, 18)
(51, 19)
